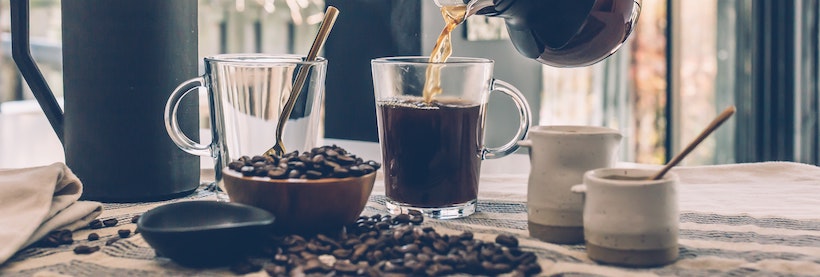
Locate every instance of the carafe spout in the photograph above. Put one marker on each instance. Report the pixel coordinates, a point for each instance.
(473, 6)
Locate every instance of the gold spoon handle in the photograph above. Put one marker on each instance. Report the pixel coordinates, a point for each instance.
(726, 114)
(324, 30)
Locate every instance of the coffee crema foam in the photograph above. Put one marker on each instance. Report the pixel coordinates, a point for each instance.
(420, 103)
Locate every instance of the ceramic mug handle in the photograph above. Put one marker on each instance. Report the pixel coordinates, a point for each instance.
(524, 122)
(580, 189)
(172, 124)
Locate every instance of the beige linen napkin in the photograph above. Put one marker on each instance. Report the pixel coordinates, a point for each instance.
(35, 201)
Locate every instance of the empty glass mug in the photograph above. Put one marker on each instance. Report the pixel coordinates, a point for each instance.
(247, 93)
(432, 148)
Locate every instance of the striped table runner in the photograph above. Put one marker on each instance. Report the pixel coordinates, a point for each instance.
(737, 220)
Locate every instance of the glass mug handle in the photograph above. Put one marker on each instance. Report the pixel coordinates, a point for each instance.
(172, 124)
(523, 124)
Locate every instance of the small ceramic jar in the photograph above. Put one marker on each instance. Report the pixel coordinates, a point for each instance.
(630, 220)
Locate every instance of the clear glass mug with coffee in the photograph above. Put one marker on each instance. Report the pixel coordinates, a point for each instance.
(431, 131)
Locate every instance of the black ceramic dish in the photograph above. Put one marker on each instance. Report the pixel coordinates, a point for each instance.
(204, 233)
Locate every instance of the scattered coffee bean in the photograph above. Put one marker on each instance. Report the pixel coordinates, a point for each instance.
(111, 241)
(507, 240)
(402, 218)
(66, 237)
(93, 236)
(84, 249)
(135, 219)
(320, 162)
(95, 224)
(124, 233)
(110, 222)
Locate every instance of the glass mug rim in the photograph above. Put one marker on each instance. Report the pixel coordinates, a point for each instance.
(424, 60)
(263, 59)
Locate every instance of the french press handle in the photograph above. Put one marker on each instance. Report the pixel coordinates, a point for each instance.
(21, 53)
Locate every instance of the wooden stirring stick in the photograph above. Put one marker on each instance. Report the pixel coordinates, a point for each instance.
(726, 114)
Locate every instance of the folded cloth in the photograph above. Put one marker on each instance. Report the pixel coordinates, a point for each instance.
(35, 201)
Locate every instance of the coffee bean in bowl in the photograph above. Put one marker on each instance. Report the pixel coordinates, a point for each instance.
(205, 233)
(316, 191)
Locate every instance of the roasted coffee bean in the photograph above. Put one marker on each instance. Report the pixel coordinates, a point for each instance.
(124, 233)
(530, 268)
(85, 249)
(401, 218)
(110, 222)
(342, 253)
(345, 267)
(382, 225)
(506, 240)
(111, 241)
(313, 174)
(466, 235)
(243, 267)
(236, 165)
(53, 239)
(495, 268)
(409, 248)
(93, 236)
(340, 172)
(245, 159)
(356, 171)
(373, 164)
(247, 170)
(416, 220)
(318, 248)
(294, 174)
(278, 173)
(358, 251)
(313, 266)
(65, 237)
(345, 160)
(366, 168)
(95, 224)
(135, 219)
(257, 159)
(318, 159)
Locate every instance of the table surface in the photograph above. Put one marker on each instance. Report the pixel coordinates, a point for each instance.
(729, 226)
(748, 219)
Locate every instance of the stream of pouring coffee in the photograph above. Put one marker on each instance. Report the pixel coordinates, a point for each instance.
(453, 15)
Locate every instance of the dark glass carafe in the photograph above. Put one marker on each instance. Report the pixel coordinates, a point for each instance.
(563, 33)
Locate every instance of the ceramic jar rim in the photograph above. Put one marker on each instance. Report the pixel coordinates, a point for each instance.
(597, 176)
(571, 130)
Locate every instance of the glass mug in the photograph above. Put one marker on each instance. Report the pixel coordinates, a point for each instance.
(247, 93)
(432, 152)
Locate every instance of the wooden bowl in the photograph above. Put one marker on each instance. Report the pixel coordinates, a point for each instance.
(303, 206)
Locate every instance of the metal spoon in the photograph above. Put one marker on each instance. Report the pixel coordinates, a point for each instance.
(726, 114)
(324, 30)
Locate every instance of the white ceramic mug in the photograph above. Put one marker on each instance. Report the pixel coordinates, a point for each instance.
(630, 220)
(559, 156)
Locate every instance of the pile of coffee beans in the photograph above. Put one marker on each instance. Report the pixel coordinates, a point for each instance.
(320, 162)
(396, 246)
